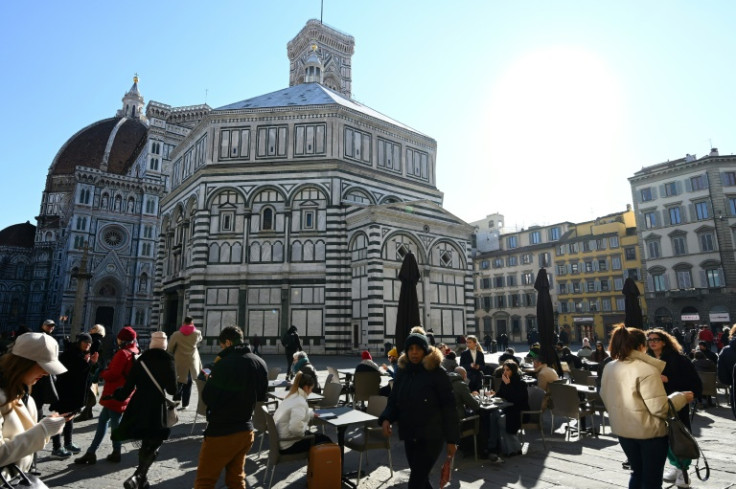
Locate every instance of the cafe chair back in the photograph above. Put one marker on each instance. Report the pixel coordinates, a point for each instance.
(275, 457)
(532, 418)
(566, 404)
(370, 437)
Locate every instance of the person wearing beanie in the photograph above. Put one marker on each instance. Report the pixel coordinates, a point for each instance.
(73, 387)
(114, 376)
(184, 346)
(393, 357)
(423, 403)
(143, 419)
(585, 351)
(449, 363)
(367, 364)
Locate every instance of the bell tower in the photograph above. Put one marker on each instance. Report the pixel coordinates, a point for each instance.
(132, 102)
(321, 54)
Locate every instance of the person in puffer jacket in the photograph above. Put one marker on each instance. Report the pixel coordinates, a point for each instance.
(423, 403)
(183, 345)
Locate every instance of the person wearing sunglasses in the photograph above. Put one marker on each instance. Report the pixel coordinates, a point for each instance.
(679, 374)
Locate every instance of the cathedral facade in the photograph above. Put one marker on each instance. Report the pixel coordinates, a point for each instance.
(291, 208)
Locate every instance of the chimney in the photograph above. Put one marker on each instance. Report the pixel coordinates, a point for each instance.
(713, 152)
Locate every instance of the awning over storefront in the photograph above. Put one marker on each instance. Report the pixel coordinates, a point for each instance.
(690, 317)
(583, 320)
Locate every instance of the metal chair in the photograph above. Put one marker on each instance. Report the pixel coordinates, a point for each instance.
(534, 414)
(260, 423)
(273, 373)
(566, 404)
(275, 457)
(370, 437)
(366, 384)
(470, 426)
(334, 376)
(709, 385)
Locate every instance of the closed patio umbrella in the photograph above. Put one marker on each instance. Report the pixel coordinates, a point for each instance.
(546, 321)
(634, 316)
(408, 314)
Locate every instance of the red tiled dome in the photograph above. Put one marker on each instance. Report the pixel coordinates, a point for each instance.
(18, 235)
(87, 147)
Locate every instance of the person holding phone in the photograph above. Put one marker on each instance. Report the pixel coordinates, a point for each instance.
(73, 388)
(33, 356)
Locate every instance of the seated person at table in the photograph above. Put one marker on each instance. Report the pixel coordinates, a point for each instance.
(293, 415)
(545, 375)
(473, 360)
(302, 364)
(509, 354)
(572, 360)
(367, 364)
(449, 363)
(513, 390)
(465, 402)
(586, 350)
(390, 369)
(558, 348)
(599, 354)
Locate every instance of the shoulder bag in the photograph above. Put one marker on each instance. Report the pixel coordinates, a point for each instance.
(169, 416)
(682, 443)
(16, 478)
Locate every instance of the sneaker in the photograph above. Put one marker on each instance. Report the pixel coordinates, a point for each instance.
(60, 453)
(682, 481)
(494, 459)
(73, 448)
(670, 473)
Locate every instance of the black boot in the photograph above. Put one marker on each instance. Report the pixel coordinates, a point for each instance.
(114, 457)
(85, 415)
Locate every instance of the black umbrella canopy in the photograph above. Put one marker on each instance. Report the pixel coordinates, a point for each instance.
(408, 314)
(546, 321)
(634, 316)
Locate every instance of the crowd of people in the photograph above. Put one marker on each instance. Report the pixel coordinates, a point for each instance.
(434, 387)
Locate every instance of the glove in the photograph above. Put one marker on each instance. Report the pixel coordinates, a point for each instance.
(53, 425)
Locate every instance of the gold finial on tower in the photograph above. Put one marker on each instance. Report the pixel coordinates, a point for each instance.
(135, 78)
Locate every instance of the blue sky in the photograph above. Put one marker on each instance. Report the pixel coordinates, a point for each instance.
(541, 109)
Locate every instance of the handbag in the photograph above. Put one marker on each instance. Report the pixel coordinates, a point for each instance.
(169, 415)
(19, 479)
(682, 443)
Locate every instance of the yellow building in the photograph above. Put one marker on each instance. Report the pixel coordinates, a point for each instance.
(591, 262)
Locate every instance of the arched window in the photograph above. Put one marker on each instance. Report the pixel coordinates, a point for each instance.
(267, 223)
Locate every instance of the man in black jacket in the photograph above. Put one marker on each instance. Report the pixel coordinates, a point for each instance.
(238, 380)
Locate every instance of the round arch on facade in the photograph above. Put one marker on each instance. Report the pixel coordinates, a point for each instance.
(211, 198)
(441, 259)
(357, 195)
(256, 192)
(401, 242)
(324, 193)
(389, 199)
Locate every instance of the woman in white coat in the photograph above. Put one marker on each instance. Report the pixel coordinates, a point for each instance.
(33, 356)
(293, 415)
(183, 345)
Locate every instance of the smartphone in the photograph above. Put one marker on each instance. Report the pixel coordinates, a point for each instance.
(206, 371)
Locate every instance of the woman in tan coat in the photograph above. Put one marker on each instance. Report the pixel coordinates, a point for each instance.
(183, 345)
(632, 390)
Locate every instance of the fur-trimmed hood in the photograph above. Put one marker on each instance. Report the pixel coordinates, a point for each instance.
(431, 360)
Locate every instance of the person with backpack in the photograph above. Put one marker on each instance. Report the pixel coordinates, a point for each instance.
(291, 342)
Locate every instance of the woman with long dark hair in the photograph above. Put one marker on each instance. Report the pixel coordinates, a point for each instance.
(679, 374)
(635, 398)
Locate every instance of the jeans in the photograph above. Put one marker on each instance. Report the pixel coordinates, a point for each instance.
(421, 456)
(647, 459)
(106, 415)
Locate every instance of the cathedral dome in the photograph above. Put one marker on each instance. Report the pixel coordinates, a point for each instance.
(18, 235)
(110, 145)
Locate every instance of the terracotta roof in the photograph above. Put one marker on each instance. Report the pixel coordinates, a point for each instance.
(87, 147)
(20, 235)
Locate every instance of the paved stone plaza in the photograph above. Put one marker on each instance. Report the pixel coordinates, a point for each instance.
(589, 464)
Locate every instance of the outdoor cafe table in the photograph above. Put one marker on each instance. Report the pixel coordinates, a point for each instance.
(341, 418)
(273, 384)
(589, 365)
